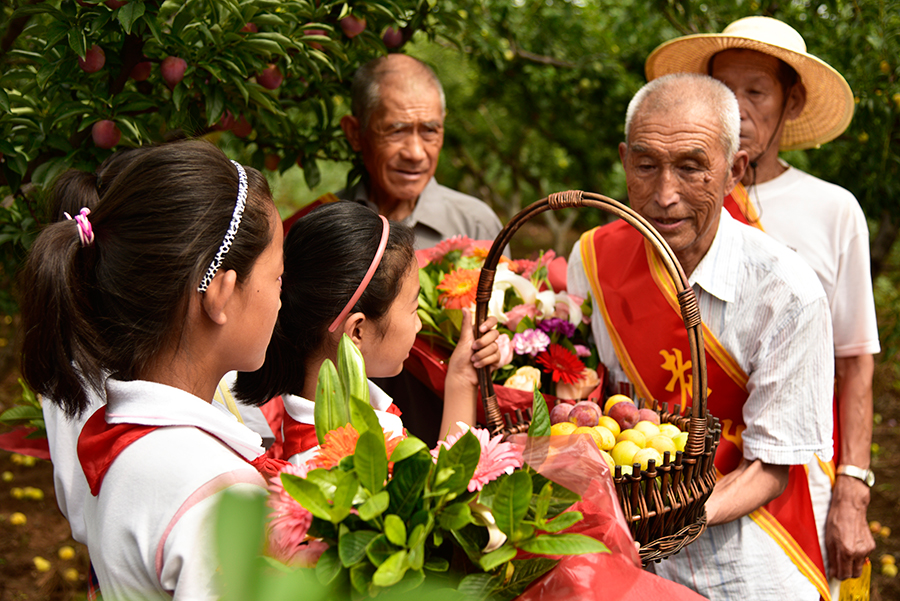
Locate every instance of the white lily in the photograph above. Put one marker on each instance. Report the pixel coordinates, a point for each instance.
(504, 279)
(575, 314)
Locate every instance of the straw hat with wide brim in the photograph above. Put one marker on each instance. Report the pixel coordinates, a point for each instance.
(829, 100)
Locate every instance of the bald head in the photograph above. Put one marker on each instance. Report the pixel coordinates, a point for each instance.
(689, 93)
(399, 69)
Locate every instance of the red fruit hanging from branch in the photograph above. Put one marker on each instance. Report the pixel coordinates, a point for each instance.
(93, 60)
(172, 70)
(105, 133)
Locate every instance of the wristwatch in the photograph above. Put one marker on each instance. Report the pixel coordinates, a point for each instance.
(867, 476)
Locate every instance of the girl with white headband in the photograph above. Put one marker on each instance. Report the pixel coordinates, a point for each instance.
(172, 280)
(347, 270)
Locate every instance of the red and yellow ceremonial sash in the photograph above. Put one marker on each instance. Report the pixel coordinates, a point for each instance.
(741, 208)
(637, 299)
(322, 200)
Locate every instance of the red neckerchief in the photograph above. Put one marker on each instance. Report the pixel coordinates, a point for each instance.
(100, 443)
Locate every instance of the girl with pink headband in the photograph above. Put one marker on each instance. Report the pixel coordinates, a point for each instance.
(171, 280)
(349, 271)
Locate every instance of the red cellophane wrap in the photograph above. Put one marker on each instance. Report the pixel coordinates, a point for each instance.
(575, 462)
(427, 361)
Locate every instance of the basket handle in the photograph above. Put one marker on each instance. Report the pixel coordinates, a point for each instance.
(690, 309)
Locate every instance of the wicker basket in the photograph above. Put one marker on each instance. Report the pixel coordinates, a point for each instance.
(664, 505)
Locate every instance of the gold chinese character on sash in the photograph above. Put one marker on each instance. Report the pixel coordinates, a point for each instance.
(679, 368)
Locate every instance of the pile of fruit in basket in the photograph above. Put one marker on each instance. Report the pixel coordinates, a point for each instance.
(625, 434)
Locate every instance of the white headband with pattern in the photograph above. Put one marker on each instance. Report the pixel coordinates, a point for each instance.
(232, 230)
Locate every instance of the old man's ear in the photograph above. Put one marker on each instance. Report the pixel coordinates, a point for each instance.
(350, 125)
(796, 101)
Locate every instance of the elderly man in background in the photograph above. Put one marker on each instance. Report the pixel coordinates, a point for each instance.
(790, 100)
(397, 127)
(767, 336)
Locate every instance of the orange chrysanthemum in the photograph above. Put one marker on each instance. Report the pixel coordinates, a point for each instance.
(341, 442)
(458, 288)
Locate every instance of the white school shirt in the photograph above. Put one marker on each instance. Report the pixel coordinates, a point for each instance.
(69, 483)
(768, 309)
(150, 531)
(303, 411)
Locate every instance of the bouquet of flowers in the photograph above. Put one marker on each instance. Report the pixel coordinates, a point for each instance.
(544, 330)
(378, 511)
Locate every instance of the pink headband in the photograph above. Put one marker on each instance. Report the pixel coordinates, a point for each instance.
(85, 231)
(385, 230)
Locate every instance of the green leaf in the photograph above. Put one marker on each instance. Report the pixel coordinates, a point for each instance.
(407, 447)
(437, 564)
(240, 526)
(178, 95)
(307, 494)
(363, 417)
(479, 586)
(361, 577)
(524, 572)
(562, 521)
(455, 516)
(215, 105)
(330, 411)
(543, 502)
(375, 506)
(130, 13)
(344, 495)
(500, 556)
(352, 546)
(420, 525)
(408, 482)
(77, 42)
(352, 370)
(370, 461)
(392, 570)
(4, 100)
(329, 567)
(563, 544)
(380, 549)
(463, 458)
(540, 421)
(311, 173)
(510, 504)
(18, 413)
(395, 529)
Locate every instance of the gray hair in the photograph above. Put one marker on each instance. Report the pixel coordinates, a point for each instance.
(691, 88)
(364, 89)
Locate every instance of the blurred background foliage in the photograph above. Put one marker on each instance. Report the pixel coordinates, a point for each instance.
(536, 94)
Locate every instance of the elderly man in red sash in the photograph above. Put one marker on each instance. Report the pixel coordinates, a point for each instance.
(790, 99)
(767, 335)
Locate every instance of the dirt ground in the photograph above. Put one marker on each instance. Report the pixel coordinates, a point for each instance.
(32, 568)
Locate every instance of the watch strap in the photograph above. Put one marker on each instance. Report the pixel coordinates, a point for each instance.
(867, 476)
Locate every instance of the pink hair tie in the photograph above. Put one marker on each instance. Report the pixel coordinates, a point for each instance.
(85, 231)
(385, 231)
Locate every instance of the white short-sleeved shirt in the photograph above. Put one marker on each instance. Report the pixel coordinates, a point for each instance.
(826, 226)
(150, 531)
(303, 411)
(768, 309)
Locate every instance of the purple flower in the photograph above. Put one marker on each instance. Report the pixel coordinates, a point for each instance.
(530, 342)
(557, 325)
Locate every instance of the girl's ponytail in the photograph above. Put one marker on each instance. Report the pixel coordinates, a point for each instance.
(54, 304)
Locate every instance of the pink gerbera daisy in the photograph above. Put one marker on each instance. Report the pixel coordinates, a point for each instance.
(289, 521)
(444, 247)
(497, 457)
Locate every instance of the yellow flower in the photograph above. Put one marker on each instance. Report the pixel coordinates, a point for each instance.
(66, 552)
(41, 564)
(17, 519)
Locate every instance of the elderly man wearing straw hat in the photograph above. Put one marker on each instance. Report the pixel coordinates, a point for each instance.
(790, 99)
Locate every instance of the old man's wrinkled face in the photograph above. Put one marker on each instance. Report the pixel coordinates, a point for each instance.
(401, 146)
(677, 177)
